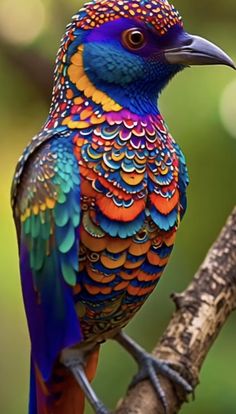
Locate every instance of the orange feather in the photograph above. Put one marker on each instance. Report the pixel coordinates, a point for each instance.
(165, 205)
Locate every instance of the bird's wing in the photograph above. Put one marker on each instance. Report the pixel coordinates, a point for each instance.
(46, 204)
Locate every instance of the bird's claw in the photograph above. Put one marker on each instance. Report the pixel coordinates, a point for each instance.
(150, 367)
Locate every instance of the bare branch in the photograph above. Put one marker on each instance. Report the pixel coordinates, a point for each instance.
(201, 311)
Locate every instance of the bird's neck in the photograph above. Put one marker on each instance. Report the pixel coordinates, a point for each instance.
(77, 112)
(73, 109)
(77, 101)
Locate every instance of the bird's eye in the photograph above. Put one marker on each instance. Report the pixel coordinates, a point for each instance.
(133, 39)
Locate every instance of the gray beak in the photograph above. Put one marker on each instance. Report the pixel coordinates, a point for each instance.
(195, 50)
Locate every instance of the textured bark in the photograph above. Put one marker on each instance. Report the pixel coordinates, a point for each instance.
(201, 311)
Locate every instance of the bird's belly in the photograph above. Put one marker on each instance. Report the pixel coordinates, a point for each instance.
(116, 276)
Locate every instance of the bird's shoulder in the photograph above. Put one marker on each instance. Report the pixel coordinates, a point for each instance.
(46, 183)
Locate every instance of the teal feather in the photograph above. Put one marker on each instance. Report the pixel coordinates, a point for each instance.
(61, 215)
(68, 272)
(65, 238)
(35, 226)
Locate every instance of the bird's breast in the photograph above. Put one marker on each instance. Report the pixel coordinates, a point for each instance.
(130, 203)
(129, 171)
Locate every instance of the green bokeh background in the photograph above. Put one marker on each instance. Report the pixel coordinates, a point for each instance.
(191, 108)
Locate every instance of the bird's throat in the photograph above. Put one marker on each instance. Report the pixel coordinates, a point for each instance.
(78, 103)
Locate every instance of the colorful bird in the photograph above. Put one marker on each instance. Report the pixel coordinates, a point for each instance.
(99, 193)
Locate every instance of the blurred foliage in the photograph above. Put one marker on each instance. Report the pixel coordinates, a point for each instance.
(191, 107)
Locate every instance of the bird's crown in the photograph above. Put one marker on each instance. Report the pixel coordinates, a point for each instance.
(158, 13)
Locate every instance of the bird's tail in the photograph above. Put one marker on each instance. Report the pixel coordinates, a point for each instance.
(63, 395)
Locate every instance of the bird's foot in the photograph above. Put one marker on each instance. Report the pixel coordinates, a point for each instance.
(151, 367)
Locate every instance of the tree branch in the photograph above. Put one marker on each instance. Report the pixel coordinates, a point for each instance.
(201, 311)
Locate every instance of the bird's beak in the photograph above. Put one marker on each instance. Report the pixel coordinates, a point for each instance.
(194, 50)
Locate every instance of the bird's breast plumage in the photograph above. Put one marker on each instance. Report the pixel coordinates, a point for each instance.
(131, 203)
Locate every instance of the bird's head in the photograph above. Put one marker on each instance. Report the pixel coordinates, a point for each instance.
(128, 50)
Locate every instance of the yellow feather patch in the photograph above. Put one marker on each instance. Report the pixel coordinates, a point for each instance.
(95, 120)
(25, 215)
(50, 203)
(75, 73)
(78, 101)
(86, 113)
(35, 209)
(77, 59)
(79, 78)
(77, 124)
